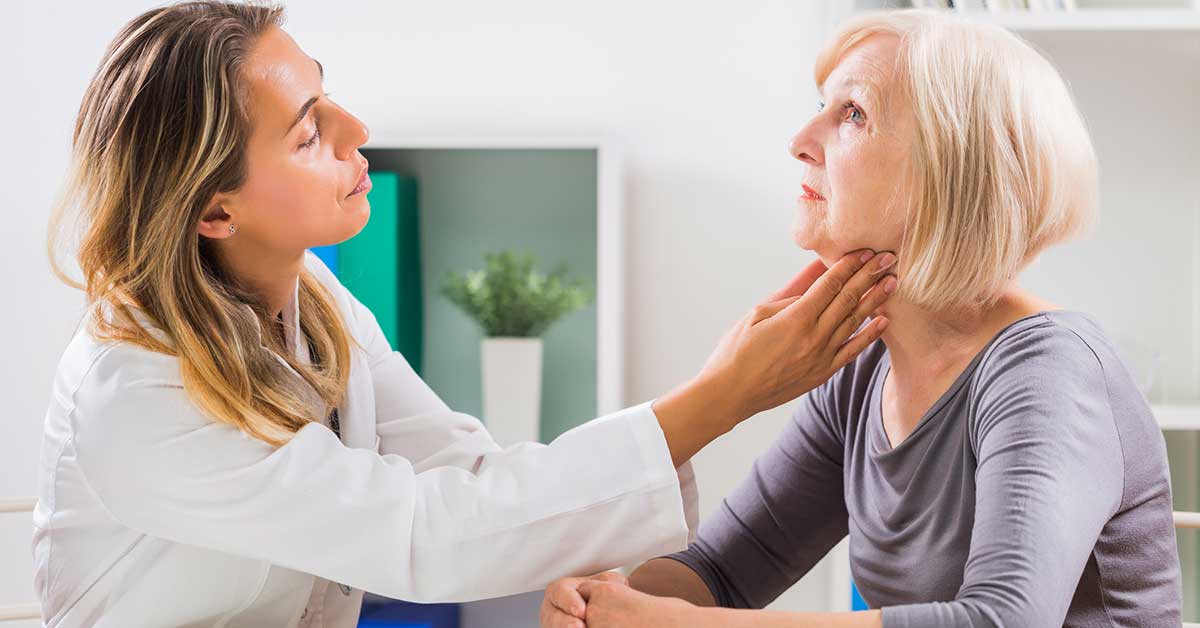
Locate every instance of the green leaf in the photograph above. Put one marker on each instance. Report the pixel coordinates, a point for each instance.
(510, 297)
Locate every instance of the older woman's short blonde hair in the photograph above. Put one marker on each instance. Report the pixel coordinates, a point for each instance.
(1002, 165)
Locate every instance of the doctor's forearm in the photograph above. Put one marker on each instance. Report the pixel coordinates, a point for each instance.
(693, 415)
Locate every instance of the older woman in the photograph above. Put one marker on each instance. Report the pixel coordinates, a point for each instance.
(991, 458)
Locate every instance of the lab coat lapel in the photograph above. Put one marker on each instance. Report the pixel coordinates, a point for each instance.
(357, 411)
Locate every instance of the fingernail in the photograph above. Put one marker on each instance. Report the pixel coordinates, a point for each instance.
(866, 257)
(885, 260)
(883, 323)
(889, 284)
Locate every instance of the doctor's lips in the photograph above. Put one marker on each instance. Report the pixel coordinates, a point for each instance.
(364, 184)
(811, 194)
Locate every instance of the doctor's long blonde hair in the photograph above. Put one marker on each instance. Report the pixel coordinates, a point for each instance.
(162, 128)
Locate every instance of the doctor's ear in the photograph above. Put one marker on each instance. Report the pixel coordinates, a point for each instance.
(216, 223)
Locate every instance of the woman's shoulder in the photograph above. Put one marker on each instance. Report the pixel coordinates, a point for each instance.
(101, 385)
(1061, 364)
(89, 355)
(1050, 343)
(89, 360)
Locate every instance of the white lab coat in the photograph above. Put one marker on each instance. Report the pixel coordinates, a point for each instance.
(150, 514)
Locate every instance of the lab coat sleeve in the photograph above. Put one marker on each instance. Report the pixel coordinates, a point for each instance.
(599, 496)
(413, 422)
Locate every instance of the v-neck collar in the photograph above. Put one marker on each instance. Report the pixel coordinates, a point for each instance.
(880, 443)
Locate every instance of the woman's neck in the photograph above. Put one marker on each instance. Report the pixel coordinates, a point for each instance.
(922, 341)
(270, 275)
(928, 350)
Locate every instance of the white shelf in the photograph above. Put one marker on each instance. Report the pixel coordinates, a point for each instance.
(1151, 34)
(1093, 20)
(1177, 417)
(1181, 18)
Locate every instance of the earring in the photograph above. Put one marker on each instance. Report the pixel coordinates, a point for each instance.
(232, 229)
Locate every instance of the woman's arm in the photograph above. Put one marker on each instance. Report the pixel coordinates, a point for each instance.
(768, 533)
(783, 348)
(521, 517)
(509, 521)
(1049, 475)
(614, 605)
(665, 577)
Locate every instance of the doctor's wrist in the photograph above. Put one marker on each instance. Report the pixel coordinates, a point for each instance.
(720, 399)
(693, 415)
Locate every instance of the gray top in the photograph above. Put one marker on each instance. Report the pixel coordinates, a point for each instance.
(1035, 492)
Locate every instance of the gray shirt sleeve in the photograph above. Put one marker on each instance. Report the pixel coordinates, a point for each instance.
(783, 517)
(1049, 476)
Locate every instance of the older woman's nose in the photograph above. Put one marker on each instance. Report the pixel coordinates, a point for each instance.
(806, 149)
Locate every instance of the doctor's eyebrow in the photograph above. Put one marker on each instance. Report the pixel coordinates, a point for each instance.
(311, 101)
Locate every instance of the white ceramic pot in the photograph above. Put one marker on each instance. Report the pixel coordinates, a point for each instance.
(512, 388)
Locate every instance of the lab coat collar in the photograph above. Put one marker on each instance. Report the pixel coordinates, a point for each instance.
(291, 325)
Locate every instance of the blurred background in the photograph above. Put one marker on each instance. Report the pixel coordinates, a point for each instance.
(642, 146)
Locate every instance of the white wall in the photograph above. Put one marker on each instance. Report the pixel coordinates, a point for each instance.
(703, 97)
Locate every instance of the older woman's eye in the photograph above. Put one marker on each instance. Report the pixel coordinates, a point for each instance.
(855, 114)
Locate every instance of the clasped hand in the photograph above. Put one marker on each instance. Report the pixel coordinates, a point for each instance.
(607, 601)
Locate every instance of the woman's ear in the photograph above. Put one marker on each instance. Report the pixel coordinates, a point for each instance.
(215, 222)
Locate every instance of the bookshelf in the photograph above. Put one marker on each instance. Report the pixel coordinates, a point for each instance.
(1181, 17)
(1119, 20)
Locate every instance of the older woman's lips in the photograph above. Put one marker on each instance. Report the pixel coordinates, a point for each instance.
(811, 194)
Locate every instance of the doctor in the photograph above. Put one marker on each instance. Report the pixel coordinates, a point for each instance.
(231, 441)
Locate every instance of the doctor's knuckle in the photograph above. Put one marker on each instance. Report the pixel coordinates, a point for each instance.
(834, 283)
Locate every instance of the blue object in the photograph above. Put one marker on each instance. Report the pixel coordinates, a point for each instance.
(396, 614)
(328, 254)
(857, 603)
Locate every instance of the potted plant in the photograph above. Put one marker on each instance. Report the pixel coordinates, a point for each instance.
(514, 304)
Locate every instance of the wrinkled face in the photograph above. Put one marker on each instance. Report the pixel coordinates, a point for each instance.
(303, 164)
(856, 149)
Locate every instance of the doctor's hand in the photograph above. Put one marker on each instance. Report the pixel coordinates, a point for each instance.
(563, 605)
(789, 344)
(616, 605)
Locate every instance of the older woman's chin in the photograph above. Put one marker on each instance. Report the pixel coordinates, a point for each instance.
(805, 238)
(808, 241)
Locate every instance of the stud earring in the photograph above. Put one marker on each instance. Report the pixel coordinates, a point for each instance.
(232, 229)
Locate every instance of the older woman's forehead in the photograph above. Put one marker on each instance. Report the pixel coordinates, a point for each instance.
(869, 65)
(851, 82)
